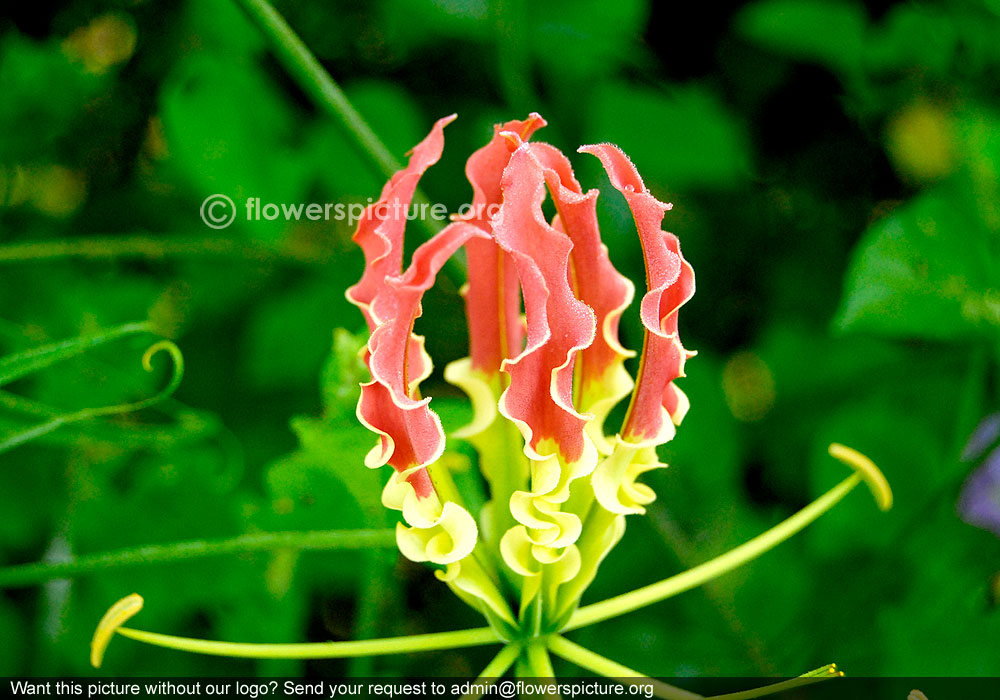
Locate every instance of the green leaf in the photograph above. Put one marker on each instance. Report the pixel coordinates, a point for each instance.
(324, 483)
(941, 619)
(258, 152)
(829, 33)
(584, 39)
(681, 137)
(342, 374)
(928, 270)
(289, 333)
(31, 73)
(915, 35)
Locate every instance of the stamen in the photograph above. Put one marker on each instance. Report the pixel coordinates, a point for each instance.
(823, 673)
(113, 619)
(124, 609)
(872, 475)
(865, 470)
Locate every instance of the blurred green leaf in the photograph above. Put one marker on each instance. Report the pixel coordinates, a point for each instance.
(584, 39)
(16, 366)
(392, 113)
(830, 33)
(256, 154)
(289, 333)
(680, 137)
(324, 483)
(928, 270)
(913, 35)
(31, 73)
(942, 619)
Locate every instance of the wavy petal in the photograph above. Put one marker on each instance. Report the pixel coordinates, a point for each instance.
(603, 380)
(657, 405)
(381, 227)
(492, 296)
(440, 534)
(473, 584)
(614, 480)
(539, 398)
(410, 433)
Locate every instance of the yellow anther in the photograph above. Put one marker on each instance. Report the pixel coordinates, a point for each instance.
(115, 617)
(513, 139)
(916, 695)
(875, 479)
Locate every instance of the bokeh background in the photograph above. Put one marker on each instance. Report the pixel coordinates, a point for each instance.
(835, 173)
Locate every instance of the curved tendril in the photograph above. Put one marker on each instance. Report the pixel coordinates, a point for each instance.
(21, 364)
(176, 376)
(865, 470)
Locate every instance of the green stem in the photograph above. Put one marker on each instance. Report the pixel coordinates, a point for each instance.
(501, 452)
(501, 663)
(152, 248)
(513, 57)
(823, 673)
(537, 656)
(479, 636)
(592, 548)
(21, 364)
(372, 594)
(595, 663)
(494, 670)
(30, 574)
(303, 66)
(654, 593)
(720, 599)
(306, 70)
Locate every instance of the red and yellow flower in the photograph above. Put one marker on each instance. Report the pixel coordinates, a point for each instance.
(542, 382)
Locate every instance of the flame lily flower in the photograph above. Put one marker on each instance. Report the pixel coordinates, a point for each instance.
(545, 368)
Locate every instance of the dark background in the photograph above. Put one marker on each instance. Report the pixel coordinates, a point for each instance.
(835, 172)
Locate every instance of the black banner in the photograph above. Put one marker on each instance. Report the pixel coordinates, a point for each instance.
(501, 689)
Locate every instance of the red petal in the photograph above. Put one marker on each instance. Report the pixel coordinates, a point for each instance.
(598, 284)
(411, 433)
(380, 229)
(656, 403)
(540, 396)
(492, 298)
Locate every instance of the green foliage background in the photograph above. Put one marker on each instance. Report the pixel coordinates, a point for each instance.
(835, 171)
